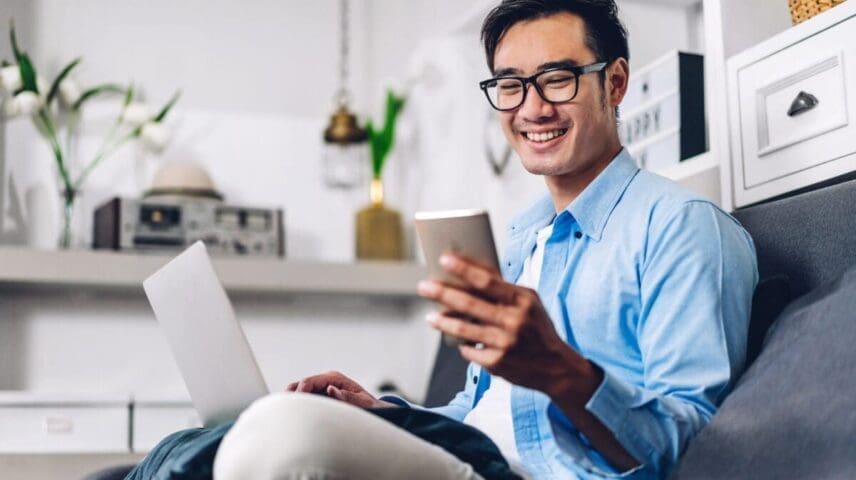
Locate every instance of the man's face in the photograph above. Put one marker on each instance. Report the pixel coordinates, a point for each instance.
(583, 127)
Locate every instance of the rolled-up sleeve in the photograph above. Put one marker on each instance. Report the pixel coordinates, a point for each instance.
(457, 408)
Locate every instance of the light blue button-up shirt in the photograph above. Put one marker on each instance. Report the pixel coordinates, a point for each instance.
(654, 285)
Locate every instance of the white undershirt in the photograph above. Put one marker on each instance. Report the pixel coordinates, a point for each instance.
(493, 414)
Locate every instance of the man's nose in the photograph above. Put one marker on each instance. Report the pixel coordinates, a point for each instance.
(535, 107)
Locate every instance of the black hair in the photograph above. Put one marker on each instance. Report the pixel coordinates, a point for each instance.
(605, 34)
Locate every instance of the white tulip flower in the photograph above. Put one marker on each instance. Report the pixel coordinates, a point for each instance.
(154, 136)
(136, 114)
(10, 108)
(24, 103)
(10, 79)
(69, 92)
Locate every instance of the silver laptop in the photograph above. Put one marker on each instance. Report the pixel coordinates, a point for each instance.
(206, 339)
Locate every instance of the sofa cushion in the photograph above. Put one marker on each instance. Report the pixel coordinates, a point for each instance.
(771, 297)
(792, 414)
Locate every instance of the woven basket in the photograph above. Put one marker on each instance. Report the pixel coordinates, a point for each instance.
(802, 10)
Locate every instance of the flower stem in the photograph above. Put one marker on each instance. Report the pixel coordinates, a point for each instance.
(71, 126)
(102, 155)
(55, 147)
(106, 148)
(68, 208)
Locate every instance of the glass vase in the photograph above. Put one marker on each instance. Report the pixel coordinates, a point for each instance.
(67, 234)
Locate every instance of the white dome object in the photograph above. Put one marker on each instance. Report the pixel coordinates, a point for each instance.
(183, 179)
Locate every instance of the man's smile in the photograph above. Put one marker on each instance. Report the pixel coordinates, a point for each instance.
(544, 136)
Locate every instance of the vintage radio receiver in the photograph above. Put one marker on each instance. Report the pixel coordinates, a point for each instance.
(173, 224)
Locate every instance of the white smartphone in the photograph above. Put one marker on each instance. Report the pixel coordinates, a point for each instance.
(464, 232)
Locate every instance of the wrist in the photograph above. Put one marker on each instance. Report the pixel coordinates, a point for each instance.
(576, 381)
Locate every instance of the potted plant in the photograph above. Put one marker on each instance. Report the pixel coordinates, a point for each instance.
(55, 110)
(379, 235)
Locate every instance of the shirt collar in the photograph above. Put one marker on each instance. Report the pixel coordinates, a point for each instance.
(592, 208)
(595, 204)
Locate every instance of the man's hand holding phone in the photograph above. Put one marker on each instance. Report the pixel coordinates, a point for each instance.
(513, 337)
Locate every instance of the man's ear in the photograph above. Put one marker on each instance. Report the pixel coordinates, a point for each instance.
(617, 76)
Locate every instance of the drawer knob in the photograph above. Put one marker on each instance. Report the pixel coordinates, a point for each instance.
(803, 103)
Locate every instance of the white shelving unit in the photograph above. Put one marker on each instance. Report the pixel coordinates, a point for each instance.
(111, 271)
(726, 27)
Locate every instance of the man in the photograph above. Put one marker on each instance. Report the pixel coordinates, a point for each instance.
(620, 320)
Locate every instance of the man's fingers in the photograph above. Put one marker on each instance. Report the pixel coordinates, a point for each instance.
(307, 385)
(335, 393)
(362, 400)
(467, 330)
(461, 302)
(319, 383)
(485, 281)
(486, 356)
(291, 386)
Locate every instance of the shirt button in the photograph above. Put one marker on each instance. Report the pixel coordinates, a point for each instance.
(475, 379)
(578, 235)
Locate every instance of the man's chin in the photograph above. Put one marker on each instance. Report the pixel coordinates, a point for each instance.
(541, 166)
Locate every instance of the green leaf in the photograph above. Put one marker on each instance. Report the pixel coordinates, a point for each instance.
(95, 91)
(28, 74)
(59, 78)
(381, 141)
(129, 95)
(15, 50)
(166, 108)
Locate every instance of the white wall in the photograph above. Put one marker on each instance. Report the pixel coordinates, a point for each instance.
(654, 29)
(258, 78)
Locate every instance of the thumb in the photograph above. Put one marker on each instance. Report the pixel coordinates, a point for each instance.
(348, 397)
(334, 392)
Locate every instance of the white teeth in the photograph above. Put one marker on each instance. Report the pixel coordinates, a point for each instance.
(544, 136)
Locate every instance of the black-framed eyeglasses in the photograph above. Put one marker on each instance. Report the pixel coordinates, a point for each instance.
(554, 85)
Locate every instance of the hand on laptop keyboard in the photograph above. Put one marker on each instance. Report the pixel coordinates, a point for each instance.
(338, 386)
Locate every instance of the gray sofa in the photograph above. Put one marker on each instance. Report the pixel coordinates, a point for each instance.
(793, 412)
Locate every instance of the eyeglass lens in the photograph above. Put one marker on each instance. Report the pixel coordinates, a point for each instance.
(553, 86)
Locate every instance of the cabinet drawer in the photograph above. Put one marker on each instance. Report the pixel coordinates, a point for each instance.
(792, 115)
(64, 429)
(153, 422)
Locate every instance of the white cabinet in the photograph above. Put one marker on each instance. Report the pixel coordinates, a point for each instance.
(152, 421)
(791, 104)
(31, 423)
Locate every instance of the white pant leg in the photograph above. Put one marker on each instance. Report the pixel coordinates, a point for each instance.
(286, 436)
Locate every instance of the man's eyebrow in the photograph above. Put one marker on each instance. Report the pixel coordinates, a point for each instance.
(558, 64)
(564, 63)
(507, 72)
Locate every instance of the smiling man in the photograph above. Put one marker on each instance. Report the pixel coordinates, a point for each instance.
(619, 321)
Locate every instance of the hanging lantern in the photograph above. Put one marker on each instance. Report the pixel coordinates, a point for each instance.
(345, 149)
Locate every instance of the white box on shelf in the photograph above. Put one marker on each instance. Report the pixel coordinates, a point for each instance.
(662, 115)
(791, 101)
(153, 420)
(58, 423)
